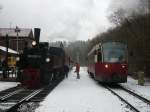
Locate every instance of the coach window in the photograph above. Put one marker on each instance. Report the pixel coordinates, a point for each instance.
(99, 57)
(95, 56)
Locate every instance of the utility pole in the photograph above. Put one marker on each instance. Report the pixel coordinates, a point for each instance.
(17, 30)
(6, 56)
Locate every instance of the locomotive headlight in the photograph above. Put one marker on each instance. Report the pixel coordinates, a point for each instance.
(34, 43)
(106, 66)
(47, 60)
(17, 58)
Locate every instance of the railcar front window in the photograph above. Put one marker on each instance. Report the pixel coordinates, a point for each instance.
(114, 52)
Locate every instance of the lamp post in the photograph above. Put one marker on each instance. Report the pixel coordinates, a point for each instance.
(6, 57)
(7, 45)
(17, 30)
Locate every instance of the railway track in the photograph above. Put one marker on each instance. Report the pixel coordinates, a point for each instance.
(23, 100)
(136, 102)
(13, 99)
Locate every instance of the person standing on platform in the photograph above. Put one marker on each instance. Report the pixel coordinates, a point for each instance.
(66, 69)
(4, 68)
(78, 70)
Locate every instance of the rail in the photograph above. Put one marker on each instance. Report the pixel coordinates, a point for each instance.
(121, 92)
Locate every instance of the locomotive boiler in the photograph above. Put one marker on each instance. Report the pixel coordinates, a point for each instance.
(41, 64)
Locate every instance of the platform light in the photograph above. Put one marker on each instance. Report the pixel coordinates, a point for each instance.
(106, 66)
(17, 58)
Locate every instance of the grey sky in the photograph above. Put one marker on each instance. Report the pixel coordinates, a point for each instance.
(59, 19)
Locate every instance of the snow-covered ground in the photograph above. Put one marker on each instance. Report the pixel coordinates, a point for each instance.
(84, 95)
(132, 84)
(81, 95)
(6, 85)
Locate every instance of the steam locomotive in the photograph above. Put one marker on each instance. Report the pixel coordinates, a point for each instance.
(41, 64)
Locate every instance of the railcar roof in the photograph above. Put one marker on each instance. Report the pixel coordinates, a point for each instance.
(94, 48)
(97, 46)
(9, 50)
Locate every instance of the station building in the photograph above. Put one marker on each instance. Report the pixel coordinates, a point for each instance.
(18, 38)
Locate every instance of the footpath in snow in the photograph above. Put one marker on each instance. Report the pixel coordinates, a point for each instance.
(81, 95)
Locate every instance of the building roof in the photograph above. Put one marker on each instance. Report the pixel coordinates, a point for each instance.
(9, 50)
(24, 32)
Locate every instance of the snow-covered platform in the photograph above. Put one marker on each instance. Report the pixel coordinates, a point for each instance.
(81, 95)
(132, 85)
(84, 95)
(6, 85)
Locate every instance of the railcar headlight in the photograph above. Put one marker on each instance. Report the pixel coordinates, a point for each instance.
(106, 66)
(47, 60)
(123, 66)
(34, 43)
(17, 58)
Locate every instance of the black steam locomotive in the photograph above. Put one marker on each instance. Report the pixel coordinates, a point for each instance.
(41, 64)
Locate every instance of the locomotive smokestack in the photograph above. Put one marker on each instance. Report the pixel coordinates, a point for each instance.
(37, 35)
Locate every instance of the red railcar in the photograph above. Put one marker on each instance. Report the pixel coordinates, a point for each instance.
(108, 62)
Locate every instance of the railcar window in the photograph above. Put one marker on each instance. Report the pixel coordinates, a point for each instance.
(95, 58)
(114, 52)
(91, 58)
(99, 57)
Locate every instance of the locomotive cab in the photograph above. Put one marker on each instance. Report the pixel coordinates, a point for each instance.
(36, 63)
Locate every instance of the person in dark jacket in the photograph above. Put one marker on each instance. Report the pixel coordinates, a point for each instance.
(66, 69)
(4, 68)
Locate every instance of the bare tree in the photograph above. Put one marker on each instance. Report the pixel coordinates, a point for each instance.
(145, 6)
(135, 32)
(117, 17)
(1, 7)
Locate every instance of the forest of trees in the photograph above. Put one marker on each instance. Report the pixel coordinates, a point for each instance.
(133, 29)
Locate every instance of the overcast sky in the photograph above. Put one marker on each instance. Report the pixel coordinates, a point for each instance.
(58, 19)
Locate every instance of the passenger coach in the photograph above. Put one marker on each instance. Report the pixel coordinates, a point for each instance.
(107, 62)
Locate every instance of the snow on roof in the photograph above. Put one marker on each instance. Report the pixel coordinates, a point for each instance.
(24, 32)
(96, 47)
(9, 50)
